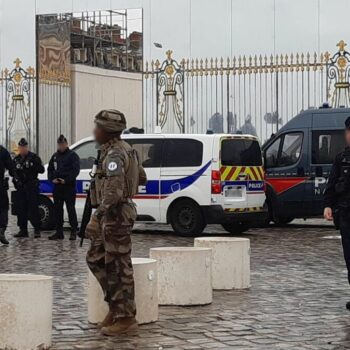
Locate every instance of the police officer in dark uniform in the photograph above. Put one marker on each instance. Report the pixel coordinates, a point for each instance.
(5, 164)
(337, 197)
(64, 167)
(27, 166)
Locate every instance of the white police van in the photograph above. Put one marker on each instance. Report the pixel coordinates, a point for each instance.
(193, 180)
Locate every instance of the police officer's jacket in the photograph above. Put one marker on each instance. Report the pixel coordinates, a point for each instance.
(337, 192)
(26, 170)
(5, 163)
(64, 165)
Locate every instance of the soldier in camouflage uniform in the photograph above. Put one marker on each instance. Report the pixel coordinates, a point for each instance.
(117, 179)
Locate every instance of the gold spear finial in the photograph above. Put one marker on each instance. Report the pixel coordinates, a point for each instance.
(168, 54)
(341, 45)
(17, 62)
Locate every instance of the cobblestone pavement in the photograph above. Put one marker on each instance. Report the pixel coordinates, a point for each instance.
(297, 299)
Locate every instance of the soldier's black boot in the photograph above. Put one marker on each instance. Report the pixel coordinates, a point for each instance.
(57, 236)
(23, 233)
(3, 239)
(37, 233)
(73, 235)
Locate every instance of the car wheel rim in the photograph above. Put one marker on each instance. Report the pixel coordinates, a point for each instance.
(44, 213)
(186, 218)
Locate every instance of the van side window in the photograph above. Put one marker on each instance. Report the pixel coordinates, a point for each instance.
(271, 154)
(182, 153)
(87, 153)
(149, 151)
(291, 149)
(326, 144)
(284, 151)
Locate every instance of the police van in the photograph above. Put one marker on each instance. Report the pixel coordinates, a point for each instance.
(193, 180)
(298, 160)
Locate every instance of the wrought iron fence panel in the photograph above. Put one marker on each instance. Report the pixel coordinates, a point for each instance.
(249, 94)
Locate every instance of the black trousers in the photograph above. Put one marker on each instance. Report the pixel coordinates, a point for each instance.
(28, 206)
(344, 225)
(65, 194)
(4, 208)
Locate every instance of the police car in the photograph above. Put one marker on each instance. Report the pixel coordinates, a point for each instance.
(298, 160)
(193, 180)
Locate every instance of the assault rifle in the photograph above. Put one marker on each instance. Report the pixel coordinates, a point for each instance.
(86, 218)
(88, 206)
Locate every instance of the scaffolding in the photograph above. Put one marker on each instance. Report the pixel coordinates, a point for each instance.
(101, 39)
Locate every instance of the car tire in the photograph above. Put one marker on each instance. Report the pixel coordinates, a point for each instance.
(282, 221)
(236, 228)
(46, 213)
(186, 218)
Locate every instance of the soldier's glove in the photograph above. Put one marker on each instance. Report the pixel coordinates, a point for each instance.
(93, 228)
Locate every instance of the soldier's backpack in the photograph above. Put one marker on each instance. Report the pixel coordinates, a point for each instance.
(135, 174)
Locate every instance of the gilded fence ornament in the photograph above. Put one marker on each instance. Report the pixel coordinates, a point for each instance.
(19, 89)
(338, 73)
(170, 92)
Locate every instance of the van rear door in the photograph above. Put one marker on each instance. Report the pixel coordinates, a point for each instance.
(241, 173)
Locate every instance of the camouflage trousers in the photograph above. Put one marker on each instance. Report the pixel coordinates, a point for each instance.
(109, 259)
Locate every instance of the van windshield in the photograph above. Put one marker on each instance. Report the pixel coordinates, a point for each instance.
(237, 152)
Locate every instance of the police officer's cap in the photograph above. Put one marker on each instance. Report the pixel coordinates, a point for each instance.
(347, 123)
(111, 120)
(61, 139)
(23, 142)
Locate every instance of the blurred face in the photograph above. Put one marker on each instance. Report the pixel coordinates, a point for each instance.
(100, 135)
(62, 146)
(347, 137)
(23, 150)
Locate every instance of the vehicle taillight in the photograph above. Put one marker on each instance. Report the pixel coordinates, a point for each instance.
(215, 182)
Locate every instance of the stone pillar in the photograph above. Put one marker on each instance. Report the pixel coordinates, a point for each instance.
(25, 311)
(230, 261)
(184, 275)
(146, 293)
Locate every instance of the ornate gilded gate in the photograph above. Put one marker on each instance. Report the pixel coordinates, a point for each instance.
(252, 94)
(17, 118)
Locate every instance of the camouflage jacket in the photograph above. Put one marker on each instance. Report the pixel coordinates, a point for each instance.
(118, 176)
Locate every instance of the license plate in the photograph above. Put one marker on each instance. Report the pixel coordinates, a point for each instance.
(234, 192)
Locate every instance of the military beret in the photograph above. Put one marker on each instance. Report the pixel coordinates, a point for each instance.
(111, 120)
(23, 142)
(61, 139)
(347, 123)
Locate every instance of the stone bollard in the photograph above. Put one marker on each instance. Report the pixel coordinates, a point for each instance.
(25, 311)
(146, 293)
(184, 275)
(230, 261)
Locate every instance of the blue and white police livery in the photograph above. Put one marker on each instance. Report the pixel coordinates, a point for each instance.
(193, 180)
